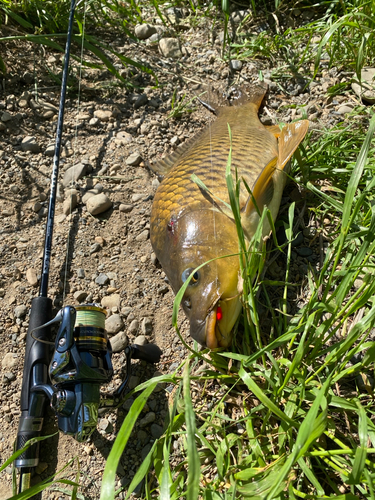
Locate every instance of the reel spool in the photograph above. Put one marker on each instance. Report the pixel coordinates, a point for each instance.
(80, 364)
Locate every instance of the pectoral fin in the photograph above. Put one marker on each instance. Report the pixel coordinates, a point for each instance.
(290, 138)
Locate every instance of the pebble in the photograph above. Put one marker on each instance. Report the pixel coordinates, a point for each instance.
(95, 247)
(140, 340)
(141, 100)
(119, 341)
(80, 295)
(125, 208)
(29, 144)
(102, 279)
(143, 236)
(137, 197)
(235, 65)
(105, 425)
(88, 195)
(147, 419)
(170, 47)
(103, 115)
(146, 326)
(6, 117)
(109, 301)
(113, 324)
(134, 159)
(9, 361)
(133, 381)
(70, 203)
(345, 108)
(32, 277)
(133, 327)
(123, 138)
(304, 251)
(74, 173)
(367, 88)
(156, 431)
(144, 31)
(20, 311)
(98, 204)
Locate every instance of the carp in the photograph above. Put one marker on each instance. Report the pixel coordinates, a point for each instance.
(191, 226)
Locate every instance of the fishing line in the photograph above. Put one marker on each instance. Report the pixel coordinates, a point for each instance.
(75, 148)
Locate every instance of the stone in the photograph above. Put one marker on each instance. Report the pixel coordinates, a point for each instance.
(143, 236)
(88, 195)
(103, 115)
(29, 144)
(20, 311)
(142, 100)
(70, 203)
(119, 341)
(125, 208)
(123, 138)
(113, 324)
(74, 173)
(9, 361)
(156, 431)
(366, 90)
(137, 197)
(32, 277)
(170, 47)
(304, 251)
(144, 31)
(109, 301)
(102, 279)
(133, 381)
(98, 204)
(6, 117)
(134, 159)
(146, 326)
(147, 419)
(140, 340)
(345, 108)
(133, 327)
(80, 295)
(235, 65)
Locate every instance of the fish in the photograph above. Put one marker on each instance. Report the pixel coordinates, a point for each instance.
(190, 222)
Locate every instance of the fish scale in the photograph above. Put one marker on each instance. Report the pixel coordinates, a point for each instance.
(192, 226)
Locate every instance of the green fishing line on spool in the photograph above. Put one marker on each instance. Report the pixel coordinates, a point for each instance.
(89, 328)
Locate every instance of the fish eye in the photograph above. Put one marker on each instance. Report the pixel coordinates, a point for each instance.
(194, 279)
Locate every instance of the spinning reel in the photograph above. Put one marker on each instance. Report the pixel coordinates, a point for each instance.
(80, 364)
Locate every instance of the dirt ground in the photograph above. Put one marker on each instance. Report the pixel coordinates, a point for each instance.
(112, 132)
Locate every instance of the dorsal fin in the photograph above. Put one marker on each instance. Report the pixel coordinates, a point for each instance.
(290, 138)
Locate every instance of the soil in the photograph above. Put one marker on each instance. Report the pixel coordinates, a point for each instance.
(115, 242)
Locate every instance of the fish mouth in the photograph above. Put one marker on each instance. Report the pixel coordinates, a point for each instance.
(216, 330)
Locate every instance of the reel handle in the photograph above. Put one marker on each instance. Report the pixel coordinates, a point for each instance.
(148, 352)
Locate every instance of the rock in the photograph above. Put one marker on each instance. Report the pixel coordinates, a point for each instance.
(146, 326)
(94, 122)
(20, 311)
(95, 247)
(175, 141)
(98, 204)
(109, 301)
(235, 65)
(88, 195)
(123, 138)
(143, 236)
(133, 382)
(29, 144)
(74, 173)
(137, 197)
(141, 101)
(304, 251)
(134, 159)
(147, 419)
(32, 277)
(103, 115)
(113, 324)
(70, 203)
(345, 108)
(80, 295)
(119, 341)
(144, 31)
(9, 361)
(102, 279)
(133, 327)
(50, 150)
(170, 47)
(140, 340)
(6, 117)
(156, 431)
(367, 88)
(105, 426)
(125, 208)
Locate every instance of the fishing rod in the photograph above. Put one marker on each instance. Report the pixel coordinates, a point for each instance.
(66, 373)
